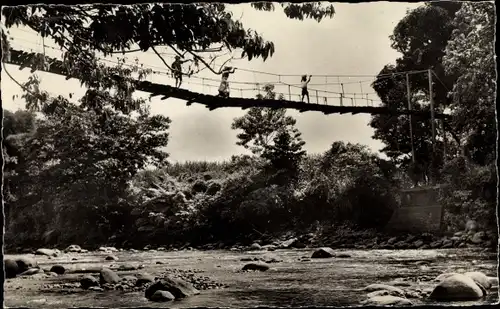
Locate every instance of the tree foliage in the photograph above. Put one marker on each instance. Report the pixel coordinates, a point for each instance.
(260, 126)
(187, 29)
(421, 37)
(271, 134)
(470, 56)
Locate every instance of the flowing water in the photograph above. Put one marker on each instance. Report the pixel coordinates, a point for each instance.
(292, 282)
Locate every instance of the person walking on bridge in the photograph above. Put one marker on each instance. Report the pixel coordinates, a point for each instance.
(303, 84)
(177, 70)
(224, 84)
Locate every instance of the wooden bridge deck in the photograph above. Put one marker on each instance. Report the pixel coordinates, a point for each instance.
(213, 102)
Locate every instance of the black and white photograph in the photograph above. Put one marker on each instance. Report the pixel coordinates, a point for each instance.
(249, 154)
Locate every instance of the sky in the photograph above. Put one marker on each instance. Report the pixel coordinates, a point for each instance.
(354, 42)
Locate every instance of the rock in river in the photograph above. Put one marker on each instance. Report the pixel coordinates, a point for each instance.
(108, 276)
(384, 287)
(255, 246)
(88, 281)
(25, 263)
(457, 287)
(162, 296)
(256, 266)
(387, 300)
(58, 269)
(322, 253)
(479, 278)
(31, 271)
(11, 268)
(178, 288)
(144, 278)
(47, 252)
(73, 248)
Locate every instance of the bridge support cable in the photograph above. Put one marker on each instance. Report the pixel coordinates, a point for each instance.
(408, 94)
(342, 95)
(433, 128)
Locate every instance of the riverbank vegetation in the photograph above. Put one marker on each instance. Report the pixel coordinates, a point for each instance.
(77, 173)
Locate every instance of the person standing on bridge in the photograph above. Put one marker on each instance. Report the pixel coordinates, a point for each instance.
(224, 84)
(303, 84)
(177, 70)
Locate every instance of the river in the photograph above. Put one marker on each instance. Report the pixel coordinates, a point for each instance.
(291, 282)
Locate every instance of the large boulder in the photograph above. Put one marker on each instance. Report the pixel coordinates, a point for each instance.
(479, 278)
(322, 253)
(178, 288)
(457, 287)
(108, 276)
(11, 268)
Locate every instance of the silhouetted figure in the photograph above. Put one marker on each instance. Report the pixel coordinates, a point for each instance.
(304, 81)
(177, 70)
(224, 84)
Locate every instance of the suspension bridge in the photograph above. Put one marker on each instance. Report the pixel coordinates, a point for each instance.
(322, 100)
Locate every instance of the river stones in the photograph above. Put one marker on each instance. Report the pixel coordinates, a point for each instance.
(323, 253)
(108, 276)
(392, 290)
(144, 278)
(479, 278)
(457, 287)
(111, 258)
(89, 281)
(256, 266)
(31, 271)
(387, 300)
(288, 244)
(11, 268)
(127, 267)
(255, 247)
(73, 248)
(162, 296)
(178, 288)
(108, 249)
(270, 259)
(46, 252)
(130, 279)
(58, 269)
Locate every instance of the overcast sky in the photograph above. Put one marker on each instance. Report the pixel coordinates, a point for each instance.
(354, 42)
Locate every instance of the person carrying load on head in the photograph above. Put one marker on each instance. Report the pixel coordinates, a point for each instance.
(303, 84)
(177, 70)
(224, 84)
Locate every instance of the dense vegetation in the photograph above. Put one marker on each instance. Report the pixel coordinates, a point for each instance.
(76, 173)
